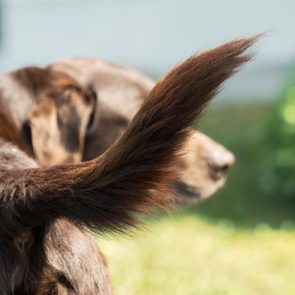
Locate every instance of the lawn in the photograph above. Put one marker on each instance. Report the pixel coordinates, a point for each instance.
(188, 255)
(242, 241)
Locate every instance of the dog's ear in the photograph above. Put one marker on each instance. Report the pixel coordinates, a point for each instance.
(43, 130)
(59, 122)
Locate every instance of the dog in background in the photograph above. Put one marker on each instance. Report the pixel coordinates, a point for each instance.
(61, 120)
(120, 93)
(46, 247)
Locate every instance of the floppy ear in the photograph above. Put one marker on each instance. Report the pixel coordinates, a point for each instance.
(42, 123)
(48, 140)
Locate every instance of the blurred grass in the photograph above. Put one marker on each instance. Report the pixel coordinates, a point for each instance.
(238, 242)
(189, 256)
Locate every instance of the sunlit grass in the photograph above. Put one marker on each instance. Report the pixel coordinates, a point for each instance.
(188, 255)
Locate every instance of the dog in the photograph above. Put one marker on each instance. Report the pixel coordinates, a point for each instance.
(121, 92)
(65, 119)
(46, 212)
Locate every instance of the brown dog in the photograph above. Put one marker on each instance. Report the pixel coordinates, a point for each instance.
(45, 212)
(121, 92)
(60, 113)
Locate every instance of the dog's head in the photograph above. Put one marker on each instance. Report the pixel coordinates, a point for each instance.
(204, 166)
(58, 124)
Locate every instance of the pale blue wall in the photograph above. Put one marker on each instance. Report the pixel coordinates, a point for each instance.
(151, 35)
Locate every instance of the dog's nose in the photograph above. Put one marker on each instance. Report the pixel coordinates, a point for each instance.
(220, 161)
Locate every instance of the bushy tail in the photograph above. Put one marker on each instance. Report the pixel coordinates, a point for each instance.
(134, 174)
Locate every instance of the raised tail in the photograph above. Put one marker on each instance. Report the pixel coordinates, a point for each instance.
(134, 174)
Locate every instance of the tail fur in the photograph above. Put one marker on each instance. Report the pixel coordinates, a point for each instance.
(134, 174)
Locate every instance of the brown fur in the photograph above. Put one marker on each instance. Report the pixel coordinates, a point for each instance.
(107, 193)
(55, 120)
(50, 110)
(9, 134)
(121, 91)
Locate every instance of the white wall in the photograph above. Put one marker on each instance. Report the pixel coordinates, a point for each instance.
(151, 35)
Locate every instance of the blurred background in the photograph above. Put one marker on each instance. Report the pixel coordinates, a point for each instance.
(242, 240)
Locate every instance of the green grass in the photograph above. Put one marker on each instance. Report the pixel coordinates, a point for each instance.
(190, 256)
(240, 242)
